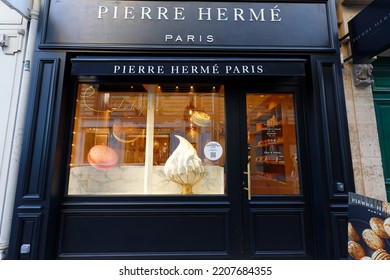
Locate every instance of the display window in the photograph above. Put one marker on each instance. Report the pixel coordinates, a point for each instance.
(272, 155)
(152, 139)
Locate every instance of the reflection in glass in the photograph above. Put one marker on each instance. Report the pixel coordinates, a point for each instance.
(272, 144)
(124, 135)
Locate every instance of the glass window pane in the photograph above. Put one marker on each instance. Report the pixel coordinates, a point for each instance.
(148, 139)
(272, 144)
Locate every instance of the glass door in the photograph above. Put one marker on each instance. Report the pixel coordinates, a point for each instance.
(272, 144)
(277, 222)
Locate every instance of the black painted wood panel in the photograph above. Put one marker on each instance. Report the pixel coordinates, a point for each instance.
(32, 210)
(116, 234)
(48, 73)
(278, 232)
(335, 129)
(331, 157)
(340, 234)
(29, 229)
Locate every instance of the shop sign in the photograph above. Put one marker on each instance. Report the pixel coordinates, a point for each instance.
(169, 24)
(369, 31)
(186, 67)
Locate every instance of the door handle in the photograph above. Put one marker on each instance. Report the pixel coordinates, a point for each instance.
(248, 172)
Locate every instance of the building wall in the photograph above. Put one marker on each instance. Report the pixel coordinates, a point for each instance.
(366, 156)
(11, 72)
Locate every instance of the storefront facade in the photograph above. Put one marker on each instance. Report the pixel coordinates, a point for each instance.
(184, 129)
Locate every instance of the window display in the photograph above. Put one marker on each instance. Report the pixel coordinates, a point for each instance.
(148, 139)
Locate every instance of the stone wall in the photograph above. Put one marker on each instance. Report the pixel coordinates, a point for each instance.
(366, 156)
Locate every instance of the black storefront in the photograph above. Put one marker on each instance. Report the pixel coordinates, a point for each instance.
(195, 130)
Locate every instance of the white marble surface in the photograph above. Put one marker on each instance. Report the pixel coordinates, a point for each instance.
(129, 180)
